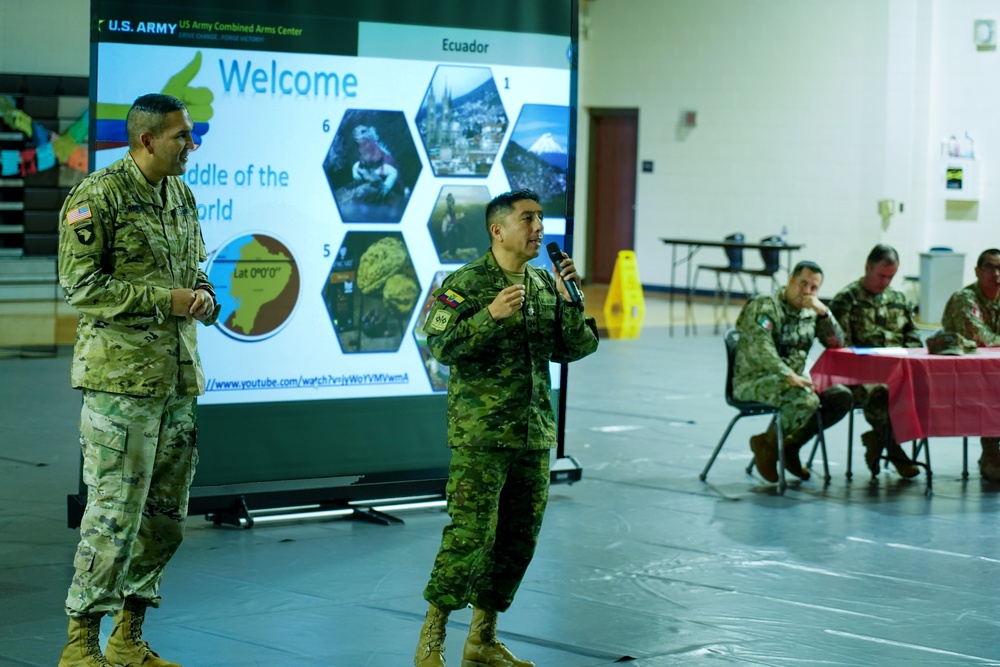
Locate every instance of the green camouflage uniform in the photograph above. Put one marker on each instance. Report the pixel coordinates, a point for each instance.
(875, 320)
(970, 313)
(500, 426)
(121, 250)
(774, 343)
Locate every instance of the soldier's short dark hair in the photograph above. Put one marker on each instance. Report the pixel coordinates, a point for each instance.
(984, 254)
(149, 114)
(883, 253)
(806, 264)
(502, 205)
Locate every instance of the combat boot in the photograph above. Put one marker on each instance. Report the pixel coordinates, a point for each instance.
(482, 649)
(873, 451)
(765, 454)
(792, 462)
(430, 648)
(83, 647)
(989, 462)
(126, 647)
(898, 458)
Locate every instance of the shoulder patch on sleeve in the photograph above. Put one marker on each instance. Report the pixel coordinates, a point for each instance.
(439, 320)
(765, 322)
(452, 299)
(79, 213)
(975, 311)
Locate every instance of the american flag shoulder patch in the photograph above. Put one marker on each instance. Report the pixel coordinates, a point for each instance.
(77, 214)
(451, 298)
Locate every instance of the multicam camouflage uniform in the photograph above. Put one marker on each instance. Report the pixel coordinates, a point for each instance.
(123, 246)
(970, 313)
(500, 426)
(774, 343)
(875, 320)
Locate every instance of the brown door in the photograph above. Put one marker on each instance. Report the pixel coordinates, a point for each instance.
(611, 189)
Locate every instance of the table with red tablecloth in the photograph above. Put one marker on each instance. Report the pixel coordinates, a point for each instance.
(929, 394)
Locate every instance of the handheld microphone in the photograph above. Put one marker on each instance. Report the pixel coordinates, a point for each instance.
(555, 254)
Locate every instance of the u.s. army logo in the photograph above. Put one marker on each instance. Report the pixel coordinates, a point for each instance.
(440, 320)
(84, 233)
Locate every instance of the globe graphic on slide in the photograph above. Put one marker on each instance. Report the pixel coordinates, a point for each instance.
(256, 283)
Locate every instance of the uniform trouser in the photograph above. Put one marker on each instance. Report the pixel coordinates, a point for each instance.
(139, 457)
(798, 406)
(496, 500)
(874, 399)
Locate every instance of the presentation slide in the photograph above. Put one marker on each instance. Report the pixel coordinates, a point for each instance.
(343, 166)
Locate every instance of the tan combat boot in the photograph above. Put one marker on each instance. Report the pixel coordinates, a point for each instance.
(126, 647)
(989, 462)
(898, 458)
(765, 454)
(83, 647)
(482, 649)
(873, 451)
(430, 648)
(792, 462)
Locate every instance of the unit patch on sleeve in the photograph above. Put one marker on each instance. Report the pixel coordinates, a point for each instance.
(439, 320)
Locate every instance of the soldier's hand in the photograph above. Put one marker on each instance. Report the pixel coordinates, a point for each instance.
(203, 305)
(508, 302)
(812, 301)
(564, 271)
(181, 301)
(796, 380)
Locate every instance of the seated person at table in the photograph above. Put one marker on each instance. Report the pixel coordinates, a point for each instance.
(776, 333)
(974, 312)
(873, 314)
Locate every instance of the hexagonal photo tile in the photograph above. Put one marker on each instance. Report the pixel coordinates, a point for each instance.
(437, 372)
(372, 166)
(458, 223)
(371, 291)
(462, 121)
(536, 156)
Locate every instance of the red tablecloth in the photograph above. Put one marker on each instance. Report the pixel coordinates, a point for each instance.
(929, 394)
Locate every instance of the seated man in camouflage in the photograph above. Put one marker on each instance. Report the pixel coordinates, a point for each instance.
(974, 312)
(873, 314)
(776, 333)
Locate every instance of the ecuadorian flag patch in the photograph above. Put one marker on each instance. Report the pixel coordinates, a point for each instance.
(451, 298)
(78, 214)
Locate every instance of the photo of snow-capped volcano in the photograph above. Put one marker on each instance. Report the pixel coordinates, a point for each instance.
(537, 155)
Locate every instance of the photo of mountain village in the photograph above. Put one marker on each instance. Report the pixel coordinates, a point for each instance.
(462, 121)
(536, 155)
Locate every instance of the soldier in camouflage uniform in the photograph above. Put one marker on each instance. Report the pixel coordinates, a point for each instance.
(497, 322)
(873, 314)
(974, 312)
(129, 252)
(776, 333)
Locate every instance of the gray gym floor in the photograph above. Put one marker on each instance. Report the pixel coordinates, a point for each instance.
(640, 563)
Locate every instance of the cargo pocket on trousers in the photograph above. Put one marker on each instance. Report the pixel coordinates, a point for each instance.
(103, 442)
(84, 559)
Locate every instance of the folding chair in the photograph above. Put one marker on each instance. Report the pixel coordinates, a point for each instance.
(753, 408)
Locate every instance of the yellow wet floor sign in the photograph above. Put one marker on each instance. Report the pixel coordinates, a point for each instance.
(624, 307)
